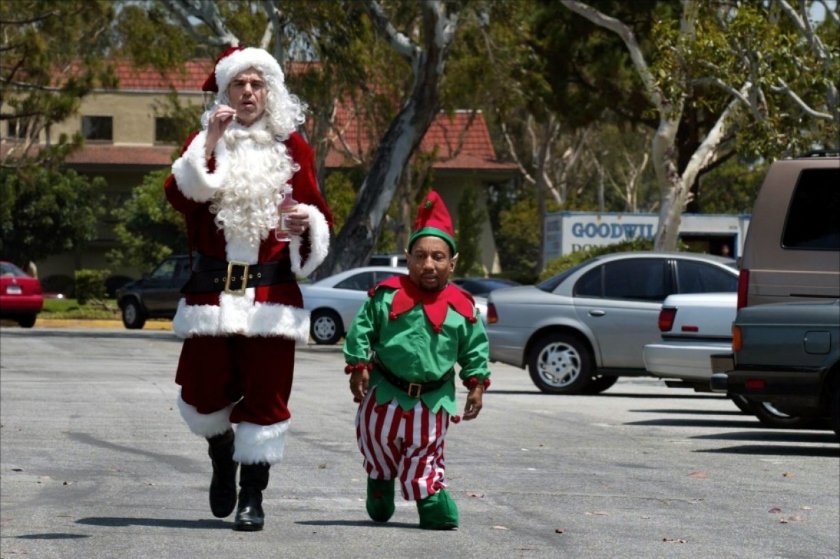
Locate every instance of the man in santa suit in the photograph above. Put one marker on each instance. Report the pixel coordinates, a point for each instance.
(242, 313)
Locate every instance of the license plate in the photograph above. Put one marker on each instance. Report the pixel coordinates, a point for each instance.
(13, 290)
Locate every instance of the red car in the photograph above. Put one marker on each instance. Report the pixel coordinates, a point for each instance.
(21, 297)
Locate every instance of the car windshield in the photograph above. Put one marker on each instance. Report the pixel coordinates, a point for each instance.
(551, 283)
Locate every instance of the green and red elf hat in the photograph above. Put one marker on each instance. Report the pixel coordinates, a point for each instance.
(433, 219)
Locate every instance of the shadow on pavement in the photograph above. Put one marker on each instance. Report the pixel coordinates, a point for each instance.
(122, 521)
(53, 536)
(537, 392)
(775, 450)
(183, 465)
(360, 523)
(702, 422)
(782, 436)
(734, 411)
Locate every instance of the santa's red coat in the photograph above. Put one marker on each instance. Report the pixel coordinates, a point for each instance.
(272, 310)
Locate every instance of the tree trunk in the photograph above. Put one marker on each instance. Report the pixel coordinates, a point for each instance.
(354, 244)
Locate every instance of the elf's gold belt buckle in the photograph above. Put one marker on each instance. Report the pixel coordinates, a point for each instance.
(414, 389)
(232, 274)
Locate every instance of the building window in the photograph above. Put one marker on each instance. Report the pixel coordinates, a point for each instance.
(166, 131)
(17, 129)
(98, 128)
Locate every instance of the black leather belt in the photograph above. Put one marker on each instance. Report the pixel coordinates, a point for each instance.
(211, 275)
(413, 389)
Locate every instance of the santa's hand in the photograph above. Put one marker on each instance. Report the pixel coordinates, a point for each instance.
(297, 222)
(473, 405)
(219, 120)
(359, 384)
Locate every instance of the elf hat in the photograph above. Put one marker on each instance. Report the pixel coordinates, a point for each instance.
(237, 59)
(433, 220)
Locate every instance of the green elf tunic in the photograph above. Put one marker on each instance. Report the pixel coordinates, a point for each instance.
(418, 336)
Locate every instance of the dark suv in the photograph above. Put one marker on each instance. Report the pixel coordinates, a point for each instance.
(156, 295)
(786, 358)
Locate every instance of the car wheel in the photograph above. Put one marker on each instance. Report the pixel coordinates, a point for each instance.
(599, 384)
(27, 321)
(132, 315)
(325, 327)
(743, 404)
(560, 364)
(771, 416)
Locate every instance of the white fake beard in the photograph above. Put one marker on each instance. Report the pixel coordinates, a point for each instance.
(246, 207)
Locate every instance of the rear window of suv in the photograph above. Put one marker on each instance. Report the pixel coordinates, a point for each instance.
(812, 221)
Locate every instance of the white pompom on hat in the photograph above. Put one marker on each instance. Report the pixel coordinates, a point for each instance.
(238, 59)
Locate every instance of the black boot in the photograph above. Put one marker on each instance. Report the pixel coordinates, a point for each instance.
(252, 481)
(223, 484)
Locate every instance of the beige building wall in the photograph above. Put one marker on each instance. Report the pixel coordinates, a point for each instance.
(133, 114)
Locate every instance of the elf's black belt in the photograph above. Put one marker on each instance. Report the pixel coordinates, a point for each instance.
(210, 275)
(413, 389)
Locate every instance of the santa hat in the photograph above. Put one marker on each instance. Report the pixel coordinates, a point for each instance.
(237, 59)
(433, 220)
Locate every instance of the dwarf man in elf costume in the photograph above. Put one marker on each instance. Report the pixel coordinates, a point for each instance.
(242, 310)
(401, 352)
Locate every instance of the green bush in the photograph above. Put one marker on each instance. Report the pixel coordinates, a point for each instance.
(90, 285)
(564, 262)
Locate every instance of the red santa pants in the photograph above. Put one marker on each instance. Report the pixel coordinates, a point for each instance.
(255, 374)
(404, 445)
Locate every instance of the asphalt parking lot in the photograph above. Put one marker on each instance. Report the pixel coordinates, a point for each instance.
(95, 462)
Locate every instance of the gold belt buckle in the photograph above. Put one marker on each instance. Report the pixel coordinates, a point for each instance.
(414, 389)
(230, 274)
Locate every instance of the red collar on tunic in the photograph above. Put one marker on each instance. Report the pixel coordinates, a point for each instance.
(435, 303)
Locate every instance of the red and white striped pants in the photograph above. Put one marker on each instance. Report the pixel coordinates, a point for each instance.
(404, 445)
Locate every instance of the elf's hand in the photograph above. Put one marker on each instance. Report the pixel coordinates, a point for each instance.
(473, 405)
(359, 384)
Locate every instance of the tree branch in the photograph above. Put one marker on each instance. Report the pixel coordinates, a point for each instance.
(783, 87)
(626, 34)
(275, 27)
(398, 41)
(706, 151)
(712, 80)
(208, 13)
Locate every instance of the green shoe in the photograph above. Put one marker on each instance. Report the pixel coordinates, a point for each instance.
(380, 499)
(438, 512)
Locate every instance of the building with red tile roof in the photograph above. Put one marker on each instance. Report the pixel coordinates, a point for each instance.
(125, 140)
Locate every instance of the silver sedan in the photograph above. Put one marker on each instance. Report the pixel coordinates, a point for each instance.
(580, 330)
(334, 301)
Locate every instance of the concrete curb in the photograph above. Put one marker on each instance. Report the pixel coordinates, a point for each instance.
(98, 323)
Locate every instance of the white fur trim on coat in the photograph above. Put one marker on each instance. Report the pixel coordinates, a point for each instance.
(191, 174)
(319, 242)
(238, 314)
(260, 443)
(205, 424)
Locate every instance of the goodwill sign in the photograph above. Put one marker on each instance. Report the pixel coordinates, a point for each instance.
(568, 232)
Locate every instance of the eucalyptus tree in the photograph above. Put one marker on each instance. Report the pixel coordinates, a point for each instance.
(421, 36)
(51, 57)
(764, 72)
